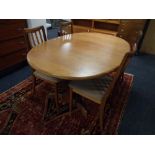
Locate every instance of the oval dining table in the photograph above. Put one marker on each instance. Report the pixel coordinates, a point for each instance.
(78, 56)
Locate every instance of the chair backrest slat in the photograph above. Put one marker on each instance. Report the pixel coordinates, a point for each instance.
(33, 39)
(30, 43)
(41, 37)
(36, 35)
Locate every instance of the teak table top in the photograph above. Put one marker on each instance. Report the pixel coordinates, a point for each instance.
(78, 56)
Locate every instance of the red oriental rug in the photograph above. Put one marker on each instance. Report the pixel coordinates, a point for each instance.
(22, 114)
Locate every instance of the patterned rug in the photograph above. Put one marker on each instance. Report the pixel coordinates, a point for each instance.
(22, 114)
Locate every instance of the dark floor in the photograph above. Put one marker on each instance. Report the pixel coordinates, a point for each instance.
(139, 116)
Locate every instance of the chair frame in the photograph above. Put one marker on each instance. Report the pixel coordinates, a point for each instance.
(107, 93)
(133, 37)
(31, 31)
(64, 24)
(130, 32)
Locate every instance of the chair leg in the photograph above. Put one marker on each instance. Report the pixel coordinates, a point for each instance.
(101, 118)
(33, 85)
(46, 106)
(121, 77)
(82, 106)
(56, 97)
(70, 100)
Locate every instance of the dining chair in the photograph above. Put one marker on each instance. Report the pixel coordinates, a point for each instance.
(132, 33)
(66, 27)
(34, 37)
(97, 90)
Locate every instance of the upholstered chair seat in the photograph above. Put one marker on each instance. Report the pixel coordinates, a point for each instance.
(92, 89)
(46, 77)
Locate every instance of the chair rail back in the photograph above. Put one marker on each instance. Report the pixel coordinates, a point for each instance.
(131, 32)
(35, 36)
(66, 28)
(116, 76)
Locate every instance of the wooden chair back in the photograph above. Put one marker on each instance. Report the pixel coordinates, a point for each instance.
(35, 36)
(66, 28)
(131, 32)
(116, 77)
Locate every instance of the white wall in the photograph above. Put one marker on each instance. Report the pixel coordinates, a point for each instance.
(37, 22)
